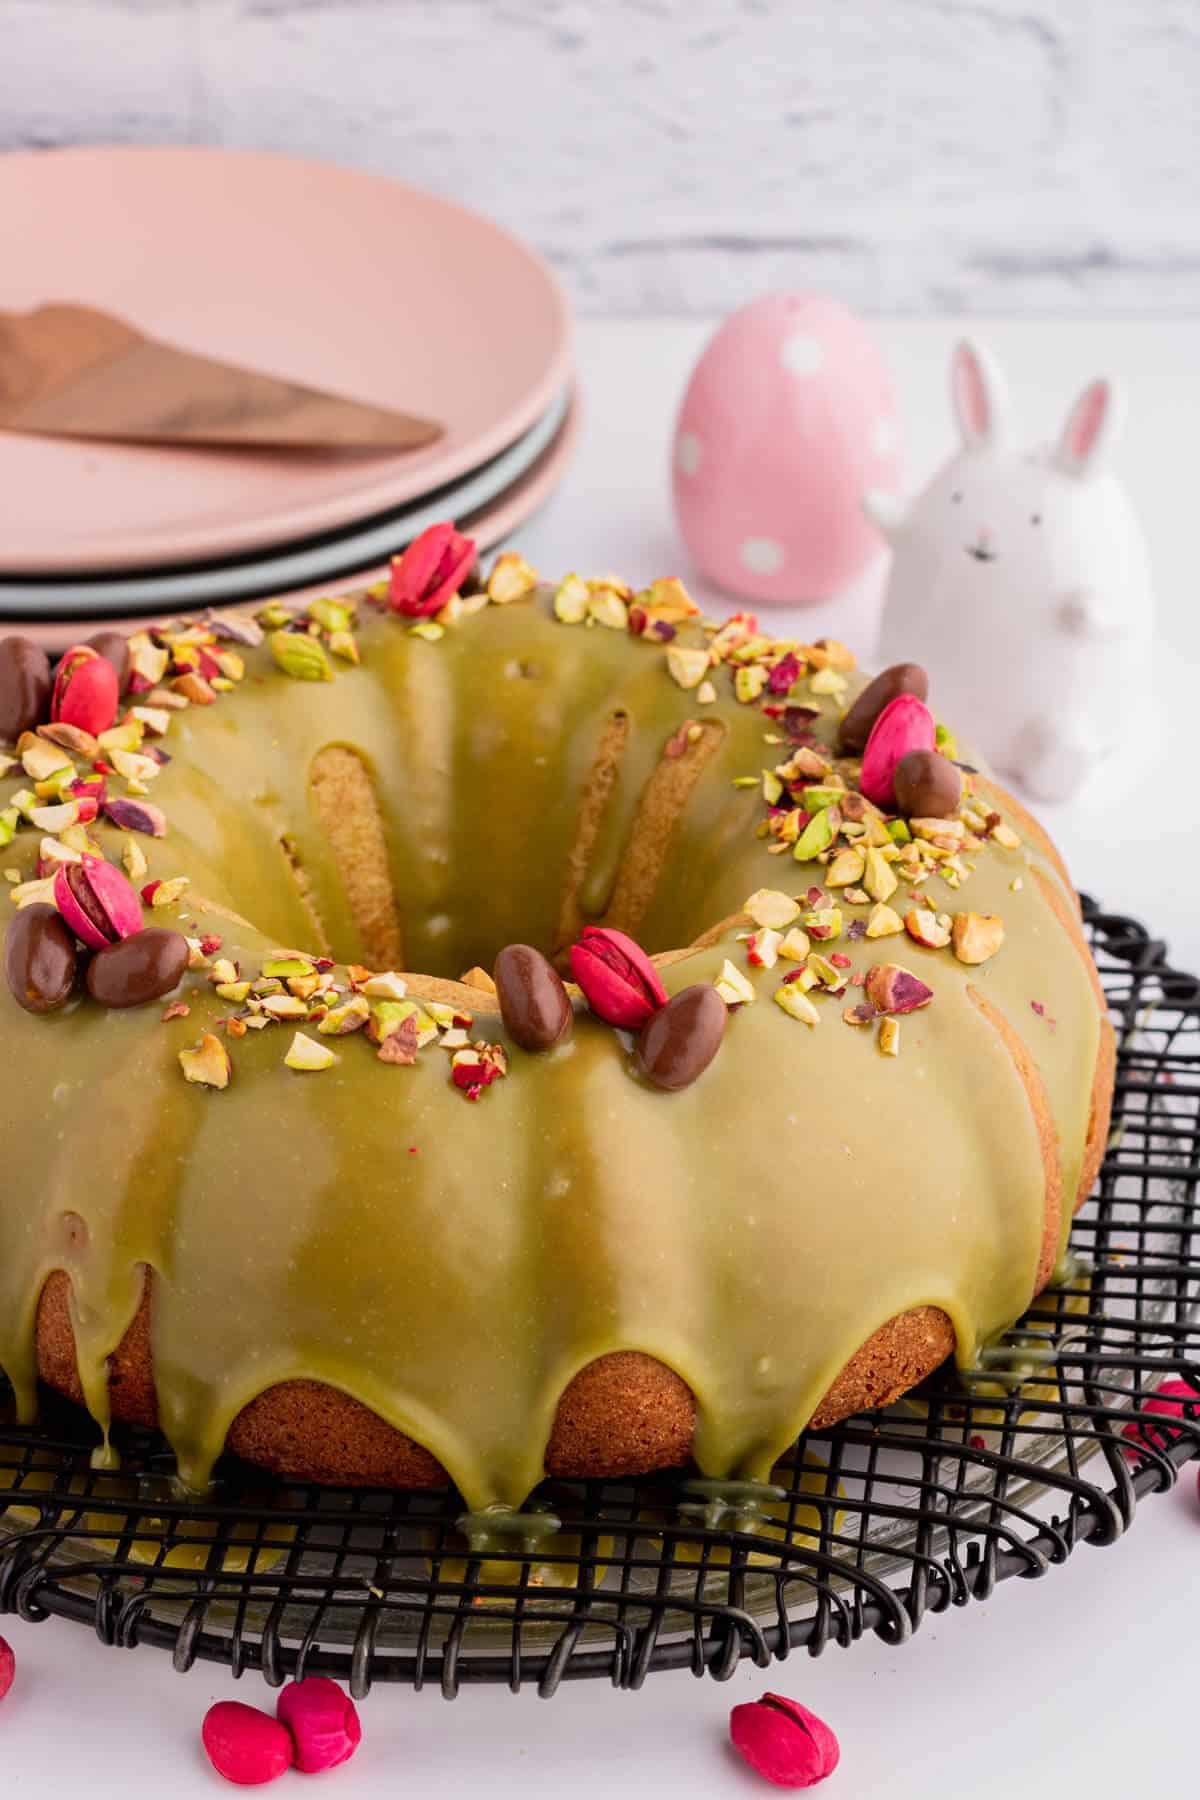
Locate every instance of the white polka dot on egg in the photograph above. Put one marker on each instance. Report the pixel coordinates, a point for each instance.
(688, 452)
(883, 437)
(762, 556)
(802, 354)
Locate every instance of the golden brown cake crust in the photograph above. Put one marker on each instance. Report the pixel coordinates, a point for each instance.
(624, 1414)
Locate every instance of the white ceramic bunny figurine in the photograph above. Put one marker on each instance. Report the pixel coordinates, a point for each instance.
(1020, 579)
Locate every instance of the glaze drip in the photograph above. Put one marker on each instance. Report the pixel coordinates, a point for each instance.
(453, 1267)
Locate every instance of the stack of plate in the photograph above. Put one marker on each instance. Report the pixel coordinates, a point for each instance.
(350, 282)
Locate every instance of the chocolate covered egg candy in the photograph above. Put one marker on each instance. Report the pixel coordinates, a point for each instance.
(789, 412)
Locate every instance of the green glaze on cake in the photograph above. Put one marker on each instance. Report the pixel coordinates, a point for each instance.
(452, 1265)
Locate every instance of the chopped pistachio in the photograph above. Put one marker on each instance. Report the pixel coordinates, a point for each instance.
(40, 759)
(706, 693)
(794, 946)
(207, 1063)
(33, 893)
(771, 908)
(606, 607)
(823, 922)
(889, 1037)
(926, 927)
(879, 880)
(283, 1006)
(511, 578)
(829, 682)
(306, 1054)
(154, 719)
(388, 986)
(748, 683)
(733, 986)
(826, 974)
(351, 1015)
(817, 835)
(796, 1004)
(429, 630)
(883, 922)
(166, 893)
(52, 850)
(687, 668)
(845, 870)
(762, 948)
(933, 830)
(976, 936)
(571, 600)
(300, 656)
(330, 615)
(1006, 837)
(345, 645)
(54, 818)
(283, 966)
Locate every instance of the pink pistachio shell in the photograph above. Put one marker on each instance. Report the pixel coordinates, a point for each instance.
(619, 981)
(246, 1746)
(783, 1741)
(431, 571)
(8, 1667)
(1167, 1401)
(905, 724)
(113, 910)
(86, 691)
(323, 1722)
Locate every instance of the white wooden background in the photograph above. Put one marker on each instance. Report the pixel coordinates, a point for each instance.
(677, 155)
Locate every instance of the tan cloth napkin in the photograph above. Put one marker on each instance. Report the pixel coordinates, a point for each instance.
(73, 371)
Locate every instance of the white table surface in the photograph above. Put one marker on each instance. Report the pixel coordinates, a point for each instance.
(1079, 1684)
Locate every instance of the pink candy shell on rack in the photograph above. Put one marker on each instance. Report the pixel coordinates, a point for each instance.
(790, 414)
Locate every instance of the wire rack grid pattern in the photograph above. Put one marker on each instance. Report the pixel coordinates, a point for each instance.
(884, 1519)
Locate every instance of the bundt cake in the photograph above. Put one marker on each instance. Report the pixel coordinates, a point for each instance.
(268, 1192)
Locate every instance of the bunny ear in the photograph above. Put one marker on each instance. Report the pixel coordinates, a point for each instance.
(979, 395)
(1090, 431)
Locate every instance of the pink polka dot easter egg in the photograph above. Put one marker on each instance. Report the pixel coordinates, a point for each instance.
(789, 416)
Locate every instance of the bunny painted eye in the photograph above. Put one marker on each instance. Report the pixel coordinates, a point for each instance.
(1035, 518)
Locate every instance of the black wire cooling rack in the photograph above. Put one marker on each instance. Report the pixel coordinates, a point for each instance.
(867, 1528)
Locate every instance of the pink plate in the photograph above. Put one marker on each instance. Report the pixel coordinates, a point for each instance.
(489, 525)
(351, 281)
